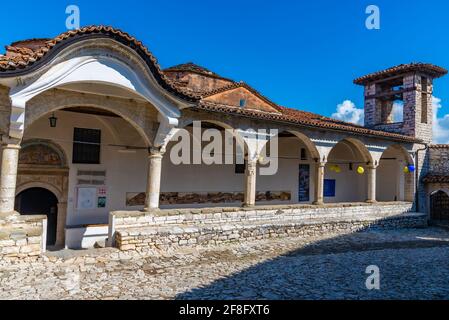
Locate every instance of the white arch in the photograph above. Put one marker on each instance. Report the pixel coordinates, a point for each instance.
(91, 62)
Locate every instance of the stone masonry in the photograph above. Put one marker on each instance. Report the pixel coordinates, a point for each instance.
(163, 229)
(22, 237)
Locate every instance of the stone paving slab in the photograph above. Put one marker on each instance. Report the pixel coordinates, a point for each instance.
(413, 265)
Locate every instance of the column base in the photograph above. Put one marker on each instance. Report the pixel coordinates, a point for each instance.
(318, 203)
(371, 201)
(245, 205)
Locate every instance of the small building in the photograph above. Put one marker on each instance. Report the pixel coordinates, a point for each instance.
(88, 121)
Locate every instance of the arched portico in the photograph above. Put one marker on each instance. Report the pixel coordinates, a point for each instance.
(393, 183)
(82, 69)
(297, 163)
(201, 166)
(349, 173)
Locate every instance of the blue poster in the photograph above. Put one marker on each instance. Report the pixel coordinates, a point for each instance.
(304, 183)
(329, 188)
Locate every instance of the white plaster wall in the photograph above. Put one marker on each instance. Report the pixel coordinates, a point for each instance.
(125, 172)
(390, 177)
(350, 186)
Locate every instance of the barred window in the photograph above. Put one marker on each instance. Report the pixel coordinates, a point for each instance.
(86, 146)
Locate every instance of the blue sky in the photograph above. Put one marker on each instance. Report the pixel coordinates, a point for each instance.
(301, 54)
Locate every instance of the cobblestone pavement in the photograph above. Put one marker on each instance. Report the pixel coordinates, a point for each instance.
(414, 264)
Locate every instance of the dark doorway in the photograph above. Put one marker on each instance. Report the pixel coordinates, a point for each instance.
(40, 201)
(439, 206)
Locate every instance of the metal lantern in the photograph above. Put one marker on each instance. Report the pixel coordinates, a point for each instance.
(53, 121)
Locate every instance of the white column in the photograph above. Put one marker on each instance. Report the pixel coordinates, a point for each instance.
(8, 179)
(371, 196)
(319, 183)
(250, 183)
(154, 179)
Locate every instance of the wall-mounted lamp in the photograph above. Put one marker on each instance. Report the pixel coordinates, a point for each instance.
(53, 120)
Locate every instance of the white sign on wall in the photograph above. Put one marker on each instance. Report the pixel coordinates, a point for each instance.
(87, 198)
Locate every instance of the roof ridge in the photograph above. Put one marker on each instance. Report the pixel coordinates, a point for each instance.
(16, 65)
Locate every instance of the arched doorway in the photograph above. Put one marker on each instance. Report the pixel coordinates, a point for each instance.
(40, 201)
(439, 206)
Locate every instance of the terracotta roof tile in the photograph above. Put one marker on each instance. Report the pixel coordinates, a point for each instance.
(439, 146)
(297, 117)
(24, 56)
(194, 68)
(436, 179)
(426, 68)
(21, 59)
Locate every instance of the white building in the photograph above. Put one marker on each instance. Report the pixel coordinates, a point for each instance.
(86, 121)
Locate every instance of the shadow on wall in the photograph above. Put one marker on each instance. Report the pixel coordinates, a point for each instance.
(333, 268)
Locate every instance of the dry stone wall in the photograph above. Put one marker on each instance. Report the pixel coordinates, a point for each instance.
(163, 229)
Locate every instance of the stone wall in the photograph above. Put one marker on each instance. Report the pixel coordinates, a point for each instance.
(439, 159)
(22, 237)
(162, 229)
(5, 110)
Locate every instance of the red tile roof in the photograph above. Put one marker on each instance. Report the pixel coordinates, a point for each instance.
(426, 68)
(194, 68)
(297, 117)
(436, 179)
(21, 58)
(25, 56)
(439, 146)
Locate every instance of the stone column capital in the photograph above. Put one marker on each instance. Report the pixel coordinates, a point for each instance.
(155, 152)
(10, 143)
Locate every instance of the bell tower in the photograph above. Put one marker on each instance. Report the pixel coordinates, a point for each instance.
(399, 99)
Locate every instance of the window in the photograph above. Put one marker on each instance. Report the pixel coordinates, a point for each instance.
(242, 103)
(424, 85)
(86, 146)
(240, 168)
(424, 107)
(303, 154)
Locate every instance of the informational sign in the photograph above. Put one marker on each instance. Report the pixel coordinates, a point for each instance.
(101, 202)
(304, 183)
(329, 188)
(87, 198)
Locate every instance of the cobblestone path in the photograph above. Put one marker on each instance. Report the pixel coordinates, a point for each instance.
(414, 264)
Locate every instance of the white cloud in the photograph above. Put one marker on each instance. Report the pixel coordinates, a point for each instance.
(398, 111)
(440, 125)
(347, 111)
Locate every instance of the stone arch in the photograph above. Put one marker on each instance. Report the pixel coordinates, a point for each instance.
(345, 183)
(42, 198)
(439, 205)
(97, 61)
(48, 170)
(445, 190)
(240, 139)
(43, 185)
(142, 116)
(311, 147)
(56, 154)
(392, 183)
(361, 148)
